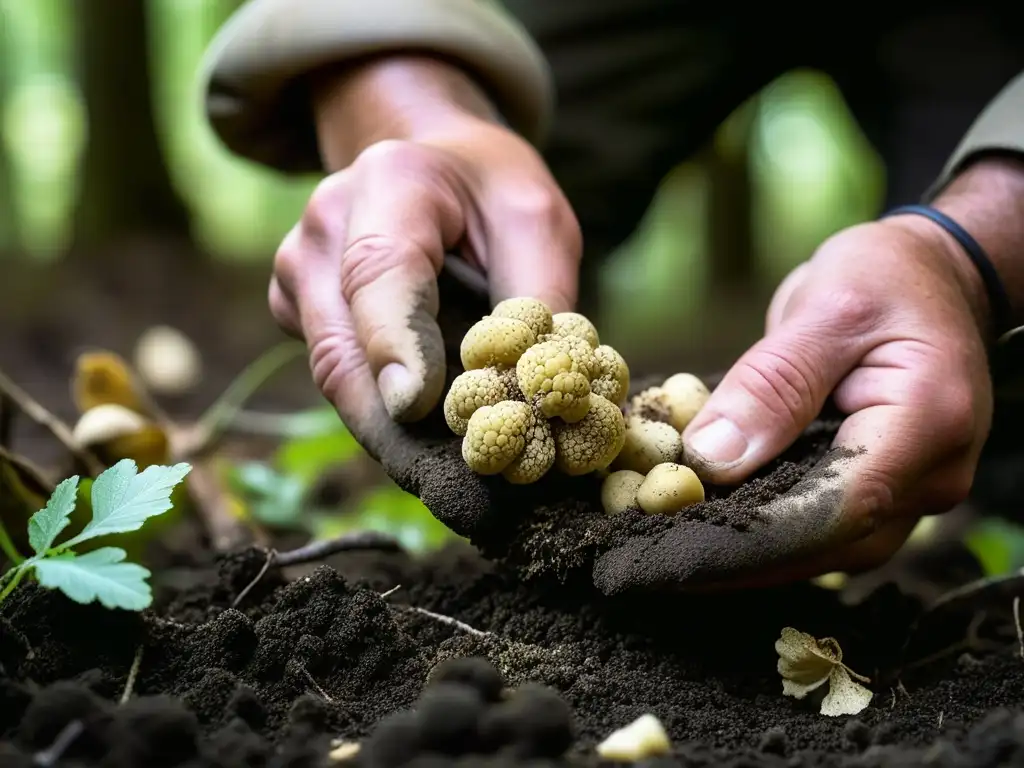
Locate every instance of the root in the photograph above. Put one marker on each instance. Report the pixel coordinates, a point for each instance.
(133, 673)
(316, 686)
(39, 414)
(439, 617)
(52, 754)
(318, 550)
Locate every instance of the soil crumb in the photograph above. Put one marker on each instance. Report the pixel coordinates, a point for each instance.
(296, 666)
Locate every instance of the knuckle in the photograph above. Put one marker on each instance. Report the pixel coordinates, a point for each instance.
(324, 207)
(334, 358)
(288, 262)
(779, 382)
(954, 410)
(370, 257)
(851, 311)
(394, 156)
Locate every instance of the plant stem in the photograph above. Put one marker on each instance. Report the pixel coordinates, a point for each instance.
(8, 546)
(245, 385)
(18, 576)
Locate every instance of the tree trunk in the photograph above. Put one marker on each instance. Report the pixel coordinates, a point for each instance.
(126, 188)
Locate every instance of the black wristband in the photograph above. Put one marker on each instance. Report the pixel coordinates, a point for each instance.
(999, 302)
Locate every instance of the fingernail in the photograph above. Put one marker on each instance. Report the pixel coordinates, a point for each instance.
(720, 442)
(398, 388)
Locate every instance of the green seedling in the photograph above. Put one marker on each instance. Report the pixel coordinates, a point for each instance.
(122, 500)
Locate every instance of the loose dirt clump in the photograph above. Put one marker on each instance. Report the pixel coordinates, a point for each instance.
(273, 681)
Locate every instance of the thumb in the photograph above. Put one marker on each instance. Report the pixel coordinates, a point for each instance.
(767, 399)
(534, 248)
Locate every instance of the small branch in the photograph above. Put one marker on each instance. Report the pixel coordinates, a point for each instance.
(318, 550)
(133, 673)
(213, 506)
(35, 411)
(223, 411)
(49, 756)
(442, 619)
(390, 592)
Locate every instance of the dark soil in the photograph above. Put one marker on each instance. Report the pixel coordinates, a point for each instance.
(272, 682)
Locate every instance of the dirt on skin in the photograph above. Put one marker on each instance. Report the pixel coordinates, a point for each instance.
(298, 664)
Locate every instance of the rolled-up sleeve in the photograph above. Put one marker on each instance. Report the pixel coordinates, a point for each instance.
(252, 79)
(999, 128)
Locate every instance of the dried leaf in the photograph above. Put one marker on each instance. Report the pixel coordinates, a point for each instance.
(804, 662)
(845, 697)
(807, 663)
(104, 378)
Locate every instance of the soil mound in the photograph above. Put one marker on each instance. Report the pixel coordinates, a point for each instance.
(273, 681)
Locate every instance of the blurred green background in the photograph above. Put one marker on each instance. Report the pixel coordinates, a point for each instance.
(103, 139)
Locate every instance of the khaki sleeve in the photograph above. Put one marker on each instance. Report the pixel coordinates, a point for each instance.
(252, 82)
(999, 128)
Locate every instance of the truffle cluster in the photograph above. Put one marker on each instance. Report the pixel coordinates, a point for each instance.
(648, 473)
(539, 390)
(466, 716)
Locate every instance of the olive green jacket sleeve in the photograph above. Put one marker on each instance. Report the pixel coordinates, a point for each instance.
(252, 77)
(999, 128)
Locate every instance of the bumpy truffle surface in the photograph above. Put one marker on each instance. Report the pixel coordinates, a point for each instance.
(495, 341)
(533, 312)
(496, 435)
(551, 376)
(611, 379)
(576, 325)
(471, 391)
(537, 457)
(593, 442)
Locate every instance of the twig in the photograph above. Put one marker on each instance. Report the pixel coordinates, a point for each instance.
(39, 414)
(318, 550)
(129, 684)
(390, 592)
(256, 580)
(213, 422)
(316, 685)
(49, 756)
(1016, 623)
(443, 619)
(974, 587)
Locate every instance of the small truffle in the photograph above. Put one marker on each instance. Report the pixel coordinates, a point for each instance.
(533, 312)
(496, 435)
(495, 341)
(669, 488)
(611, 380)
(686, 396)
(618, 491)
(648, 443)
(574, 324)
(471, 391)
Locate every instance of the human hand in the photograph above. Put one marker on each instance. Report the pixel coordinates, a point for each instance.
(422, 169)
(889, 319)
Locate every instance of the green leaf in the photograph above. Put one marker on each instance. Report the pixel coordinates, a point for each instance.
(273, 499)
(46, 524)
(998, 545)
(123, 500)
(98, 575)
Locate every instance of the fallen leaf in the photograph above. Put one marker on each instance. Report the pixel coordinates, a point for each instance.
(844, 697)
(806, 663)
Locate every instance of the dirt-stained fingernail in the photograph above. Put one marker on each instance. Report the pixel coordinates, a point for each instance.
(720, 442)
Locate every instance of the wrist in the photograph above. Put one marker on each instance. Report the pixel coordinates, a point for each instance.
(391, 97)
(987, 199)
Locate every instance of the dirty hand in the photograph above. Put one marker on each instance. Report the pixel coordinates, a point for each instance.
(890, 319)
(421, 168)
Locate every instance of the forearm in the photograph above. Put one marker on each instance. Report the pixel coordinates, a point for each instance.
(391, 97)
